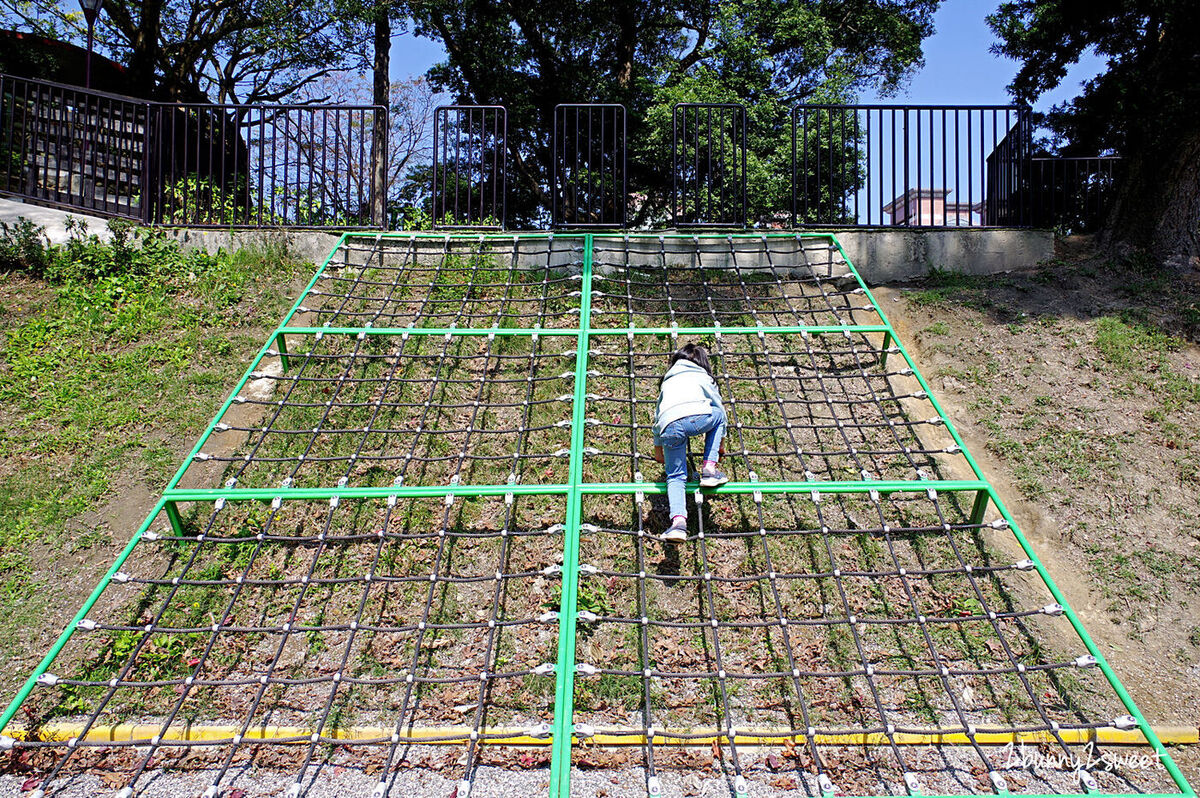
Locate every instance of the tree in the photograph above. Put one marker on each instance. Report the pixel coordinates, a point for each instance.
(408, 130)
(649, 54)
(1145, 106)
(232, 51)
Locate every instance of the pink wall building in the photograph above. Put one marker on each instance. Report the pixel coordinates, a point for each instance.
(927, 207)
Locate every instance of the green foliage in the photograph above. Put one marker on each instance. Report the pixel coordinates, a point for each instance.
(112, 344)
(1146, 95)
(647, 56)
(1140, 352)
(946, 285)
(23, 247)
(199, 200)
(242, 51)
(1143, 106)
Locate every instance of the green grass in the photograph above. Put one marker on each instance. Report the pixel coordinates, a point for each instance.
(1140, 353)
(112, 358)
(944, 286)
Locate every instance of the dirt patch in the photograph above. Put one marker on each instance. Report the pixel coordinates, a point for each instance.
(1075, 386)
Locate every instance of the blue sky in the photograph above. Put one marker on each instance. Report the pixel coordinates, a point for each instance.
(959, 69)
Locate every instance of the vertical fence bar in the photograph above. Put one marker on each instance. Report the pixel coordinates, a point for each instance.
(469, 141)
(588, 176)
(144, 183)
(793, 176)
(714, 172)
(921, 165)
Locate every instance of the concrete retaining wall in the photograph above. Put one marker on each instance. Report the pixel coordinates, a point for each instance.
(881, 256)
(304, 245)
(886, 256)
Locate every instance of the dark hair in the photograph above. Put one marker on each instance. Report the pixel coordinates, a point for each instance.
(693, 352)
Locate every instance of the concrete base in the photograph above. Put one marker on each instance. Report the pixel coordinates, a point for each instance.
(52, 219)
(304, 245)
(888, 256)
(880, 255)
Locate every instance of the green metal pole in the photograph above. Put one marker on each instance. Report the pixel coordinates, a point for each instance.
(432, 331)
(1094, 650)
(980, 507)
(564, 688)
(916, 372)
(173, 516)
(254, 365)
(382, 492)
(281, 347)
(798, 488)
(812, 329)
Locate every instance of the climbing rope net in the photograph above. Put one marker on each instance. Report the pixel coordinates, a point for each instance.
(425, 520)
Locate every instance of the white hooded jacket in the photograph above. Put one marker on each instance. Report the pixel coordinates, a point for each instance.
(686, 390)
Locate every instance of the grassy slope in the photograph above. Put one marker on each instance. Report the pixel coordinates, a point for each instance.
(105, 381)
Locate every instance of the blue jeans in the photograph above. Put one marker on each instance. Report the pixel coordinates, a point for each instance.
(675, 441)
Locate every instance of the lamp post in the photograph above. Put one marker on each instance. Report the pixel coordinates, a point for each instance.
(91, 10)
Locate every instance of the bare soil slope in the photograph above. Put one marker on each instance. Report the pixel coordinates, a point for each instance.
(1077, 386)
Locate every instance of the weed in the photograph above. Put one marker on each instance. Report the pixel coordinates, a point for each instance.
(1139, 352)
(945, 285)
(24, 247)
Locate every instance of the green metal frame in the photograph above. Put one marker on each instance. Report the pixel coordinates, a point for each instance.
(575, 488)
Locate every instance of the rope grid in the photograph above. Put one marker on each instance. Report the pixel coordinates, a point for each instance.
(810, 609)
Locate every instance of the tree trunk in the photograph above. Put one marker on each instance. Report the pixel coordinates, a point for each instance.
(381, 96)
(1157, 206)
(144, 57)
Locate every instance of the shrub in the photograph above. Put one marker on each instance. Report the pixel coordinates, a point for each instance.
(24, 248)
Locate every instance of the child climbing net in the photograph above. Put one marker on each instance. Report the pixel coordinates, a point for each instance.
(689, 405)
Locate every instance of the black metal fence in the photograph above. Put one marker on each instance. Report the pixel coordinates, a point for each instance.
(1072, 195)
(260, 166)
(907, 166)
(470, 166)
(1007, 175)
(588, 187)
(204, 165)
(708, 157)
(70, 148)
(195, 165)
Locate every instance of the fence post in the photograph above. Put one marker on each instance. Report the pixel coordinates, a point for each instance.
(1025, 115)
(379, 171)
(145, 179)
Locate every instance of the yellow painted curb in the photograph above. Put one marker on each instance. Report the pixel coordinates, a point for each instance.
(452, 735)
